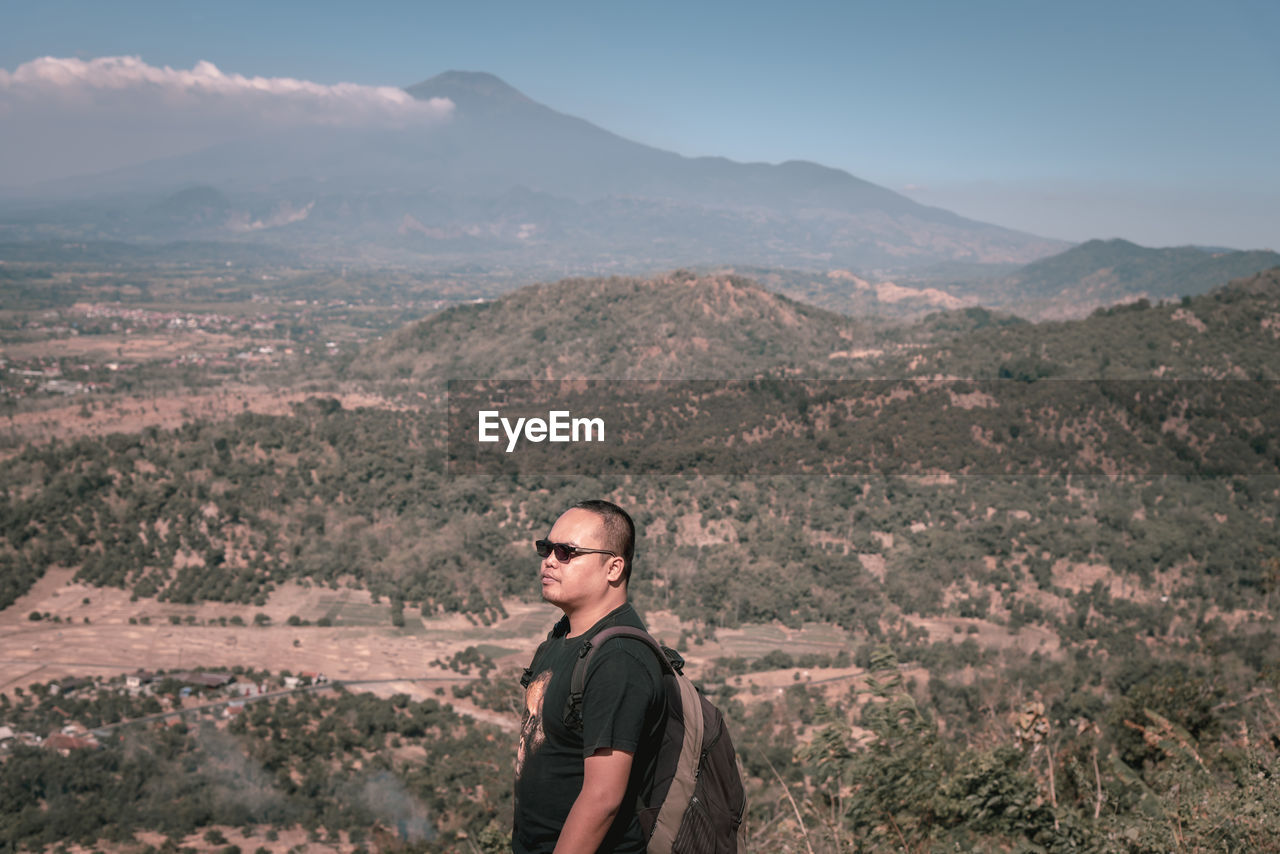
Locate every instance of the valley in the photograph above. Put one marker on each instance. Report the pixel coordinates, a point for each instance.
(962, 516)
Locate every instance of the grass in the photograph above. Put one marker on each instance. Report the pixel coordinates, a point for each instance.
(757, 641)
(492, 650)
(534, 624)
(361, 614)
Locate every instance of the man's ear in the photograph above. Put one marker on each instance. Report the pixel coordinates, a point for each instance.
(615, 573)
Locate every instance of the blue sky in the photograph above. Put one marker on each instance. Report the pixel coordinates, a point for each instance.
(1158, 122)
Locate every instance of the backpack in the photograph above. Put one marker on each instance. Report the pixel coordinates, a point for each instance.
(698, 802)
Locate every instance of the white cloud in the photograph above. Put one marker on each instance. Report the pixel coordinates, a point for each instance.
(68, 116)
(128, 81)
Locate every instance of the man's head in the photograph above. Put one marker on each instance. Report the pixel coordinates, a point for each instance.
(587, 559)
(619, 530)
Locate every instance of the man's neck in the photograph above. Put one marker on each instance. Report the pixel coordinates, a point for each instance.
(581, 620)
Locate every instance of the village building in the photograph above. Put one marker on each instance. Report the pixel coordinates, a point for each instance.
(66, 686)
(204, 680)
(247, 689)
(136, 680)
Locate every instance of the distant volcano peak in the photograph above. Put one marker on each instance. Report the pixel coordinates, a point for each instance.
(469, 88)
(511, 182)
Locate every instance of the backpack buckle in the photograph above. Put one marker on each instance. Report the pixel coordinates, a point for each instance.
(573, 712)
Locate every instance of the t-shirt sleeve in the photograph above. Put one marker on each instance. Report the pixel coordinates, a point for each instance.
(620, 690)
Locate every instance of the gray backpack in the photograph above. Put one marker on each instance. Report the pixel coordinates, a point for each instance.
(697, 804)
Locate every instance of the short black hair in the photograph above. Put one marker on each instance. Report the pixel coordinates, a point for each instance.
(618, 527)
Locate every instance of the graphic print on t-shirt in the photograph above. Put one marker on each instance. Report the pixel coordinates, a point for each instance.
(531, 732)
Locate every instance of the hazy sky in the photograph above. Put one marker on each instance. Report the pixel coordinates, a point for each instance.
(1154, 121)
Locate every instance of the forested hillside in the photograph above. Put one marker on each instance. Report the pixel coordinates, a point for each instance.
(1121, 605)
(367, 774)
(679, 325)
(1229, 333)
(263, 498)
(1103, 272)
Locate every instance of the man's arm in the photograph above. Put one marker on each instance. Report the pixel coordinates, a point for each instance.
(604, 784)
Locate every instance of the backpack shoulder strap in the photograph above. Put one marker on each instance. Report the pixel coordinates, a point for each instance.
(669, 660)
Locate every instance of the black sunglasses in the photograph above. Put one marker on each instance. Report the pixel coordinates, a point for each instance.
(565, 552)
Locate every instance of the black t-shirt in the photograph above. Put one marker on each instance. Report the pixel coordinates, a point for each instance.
(622, 708)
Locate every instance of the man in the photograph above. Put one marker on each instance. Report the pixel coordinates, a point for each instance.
(577, 784)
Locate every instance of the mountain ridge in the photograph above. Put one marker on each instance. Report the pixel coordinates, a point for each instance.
(682, 325)
(1102, 272)
(611, 202)
(677, 325)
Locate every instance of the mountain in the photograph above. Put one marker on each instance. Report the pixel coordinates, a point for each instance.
(683, 325)
(1263, 284)
(1186, 387)
(570, 157)
(674, 326)
(1070, 284)
(853, 295)
(508, 182)
(1105, 272)
(198, 202)
(1230, 333)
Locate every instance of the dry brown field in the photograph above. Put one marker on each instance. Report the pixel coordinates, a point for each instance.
(109, 645)
(67, 420)
(364, 650)
(361, 645)
(135, 347)
(368, 647)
